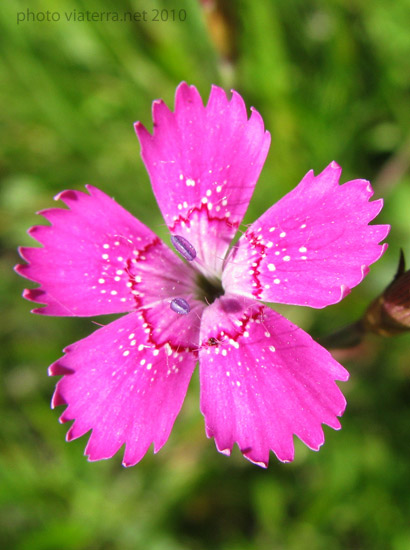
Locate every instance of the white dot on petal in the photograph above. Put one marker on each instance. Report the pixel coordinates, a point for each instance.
(272, 348)
(104, 256)
(286, 258)
(271, 267)
(283, 234)
(101, 281)
(276, 281)
(126, 352)
(106, 245)
(302, 249)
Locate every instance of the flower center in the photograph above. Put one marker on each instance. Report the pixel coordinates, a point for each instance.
(208, 290)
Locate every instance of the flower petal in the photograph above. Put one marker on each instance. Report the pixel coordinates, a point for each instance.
(203, 163)
(263, 379)
(123, 387)
(165, 325)
(93, 258)
(312, 246)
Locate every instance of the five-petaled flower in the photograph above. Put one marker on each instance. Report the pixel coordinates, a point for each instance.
(262, 378)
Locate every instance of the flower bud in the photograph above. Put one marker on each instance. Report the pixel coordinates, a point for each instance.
(389, 314)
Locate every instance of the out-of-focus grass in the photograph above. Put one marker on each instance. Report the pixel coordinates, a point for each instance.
(331, 81)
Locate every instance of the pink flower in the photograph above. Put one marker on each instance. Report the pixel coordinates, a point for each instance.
(262, 378)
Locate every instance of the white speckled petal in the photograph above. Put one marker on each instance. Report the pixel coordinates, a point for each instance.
(312, 246)
(263, 379)
(203, 162)
(123, 387)
(97, 258)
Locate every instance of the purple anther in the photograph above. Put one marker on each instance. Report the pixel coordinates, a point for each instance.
(184, 247)
(180, 306)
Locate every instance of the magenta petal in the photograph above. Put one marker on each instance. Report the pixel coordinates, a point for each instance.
(312, 246)
(203, 163)
(84, 264)
(181, 331)
(263, 379)
(123, 388)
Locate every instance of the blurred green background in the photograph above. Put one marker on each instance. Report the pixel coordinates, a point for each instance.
(331, 80)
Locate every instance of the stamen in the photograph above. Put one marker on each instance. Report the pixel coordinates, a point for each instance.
(184, 247)
(180, 306)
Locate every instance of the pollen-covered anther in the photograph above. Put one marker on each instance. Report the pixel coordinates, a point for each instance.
(184, 247)
(180, 306)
